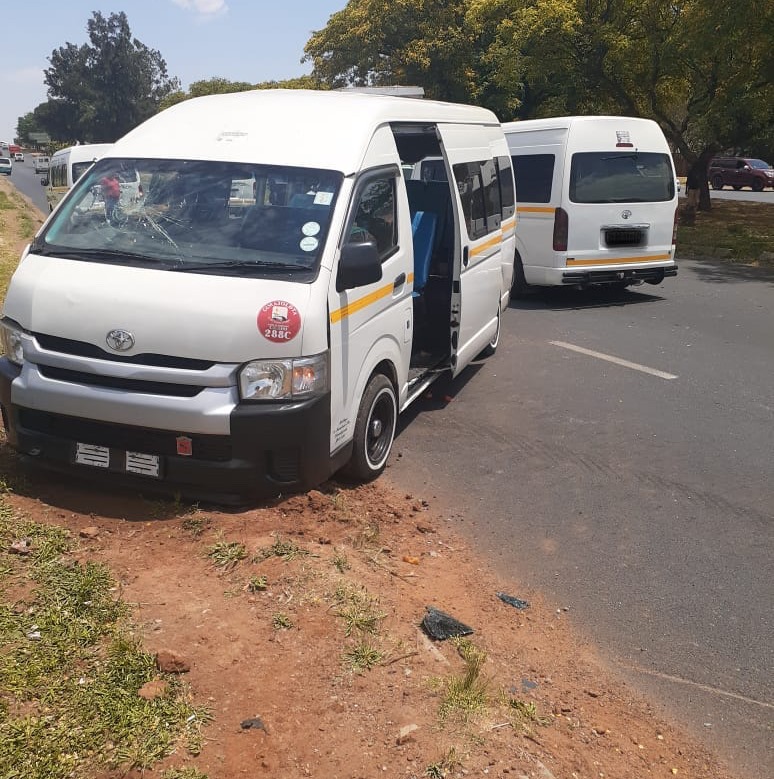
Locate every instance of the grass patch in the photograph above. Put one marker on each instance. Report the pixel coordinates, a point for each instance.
(286, 550)
(527, 713)
(358, 610)
(363, 656)
(226, 554)
(196, 525)
(448, 763)
(466, 695)
(281, 621)
(257, 584)
(746, 228)
(70, 669)
(188, 772)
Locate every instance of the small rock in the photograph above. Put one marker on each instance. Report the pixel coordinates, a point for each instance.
(20, 546)
(153, 689)
(440, 626)
(254, 723)
(89, 532)
(170, 662)
(411, 560)
(405, 733)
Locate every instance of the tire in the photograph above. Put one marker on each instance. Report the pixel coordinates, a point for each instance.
(757, 185)
(717, 182)
(374, 430)
(519, 287)
(491, 347)
(737, 187)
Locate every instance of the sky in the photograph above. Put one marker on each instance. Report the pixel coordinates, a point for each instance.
(240, 40)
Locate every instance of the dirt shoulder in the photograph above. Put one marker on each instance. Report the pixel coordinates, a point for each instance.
(313, 636)
(273, 637)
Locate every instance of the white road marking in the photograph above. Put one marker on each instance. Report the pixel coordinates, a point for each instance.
(617, 360)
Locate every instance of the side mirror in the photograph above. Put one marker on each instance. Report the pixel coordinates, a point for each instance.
(359, 264)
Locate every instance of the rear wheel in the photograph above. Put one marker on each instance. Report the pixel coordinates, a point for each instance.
(717, 182)
(519, 285)
(491, 347)
(374, 429)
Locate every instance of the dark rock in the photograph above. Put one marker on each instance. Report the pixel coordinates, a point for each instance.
(440, 626)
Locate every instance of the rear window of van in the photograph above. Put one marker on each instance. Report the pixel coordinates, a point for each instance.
(621, 177)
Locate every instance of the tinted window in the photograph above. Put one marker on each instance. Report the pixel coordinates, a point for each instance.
(375, 215)
(505, 178)
(534, 174)
(621, 177)
(471, 189)
(492, 203)
(432, 170)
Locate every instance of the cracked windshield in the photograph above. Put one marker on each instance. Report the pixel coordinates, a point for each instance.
(195, 216)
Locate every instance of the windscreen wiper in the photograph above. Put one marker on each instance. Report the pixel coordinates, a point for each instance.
(193, 267)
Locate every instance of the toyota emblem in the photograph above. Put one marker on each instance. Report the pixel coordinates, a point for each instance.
(119, 340)
(626, 214)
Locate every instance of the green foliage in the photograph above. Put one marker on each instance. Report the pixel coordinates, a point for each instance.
(359, 610)
(286, 550)
(363, 656)
(70, 671)
(101, 90)
(226, 554)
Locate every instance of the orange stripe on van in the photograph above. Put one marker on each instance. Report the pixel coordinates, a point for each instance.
(536, 209)
(365, 301)
(572, 263)
(488, 244)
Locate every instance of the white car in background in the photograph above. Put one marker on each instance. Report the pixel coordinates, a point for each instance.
(6, 165)
(19, 156)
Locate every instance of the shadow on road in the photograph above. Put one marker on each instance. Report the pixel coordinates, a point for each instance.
(567, 298)
(715, 272)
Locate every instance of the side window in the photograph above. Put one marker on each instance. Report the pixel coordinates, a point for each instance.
(491, 194)
(375, 216)
(534, 174)
(505, 180)
(469, 185)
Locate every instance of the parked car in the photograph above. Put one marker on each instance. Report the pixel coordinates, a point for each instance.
(19, 156)
(740, 172)
(6, 165)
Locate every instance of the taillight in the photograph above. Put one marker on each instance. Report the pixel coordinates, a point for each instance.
(561, 228)
(674, 229)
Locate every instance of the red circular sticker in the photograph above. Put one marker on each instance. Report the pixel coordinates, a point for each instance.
(279, 321)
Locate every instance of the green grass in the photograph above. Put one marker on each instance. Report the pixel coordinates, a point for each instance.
(226, 554)
(71, 668)
(362, 656)
(745, 228)
(466, 695)
(358, 610)
(285, 550)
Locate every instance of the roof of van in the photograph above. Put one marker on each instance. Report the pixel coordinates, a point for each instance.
(305, 128)
(563, 122)
(84, 151)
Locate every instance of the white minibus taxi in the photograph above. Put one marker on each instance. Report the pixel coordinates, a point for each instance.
(233, 352)
(66, 166)
(597, 201)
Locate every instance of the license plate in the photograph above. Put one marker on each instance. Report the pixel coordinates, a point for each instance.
(133, 462)
(144, 464)
(96, 456)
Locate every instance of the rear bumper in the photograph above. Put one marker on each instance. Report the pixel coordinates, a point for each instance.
(652, 275)
(272, 448)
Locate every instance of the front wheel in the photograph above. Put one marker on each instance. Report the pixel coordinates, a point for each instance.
(757, 185)
(374, 429)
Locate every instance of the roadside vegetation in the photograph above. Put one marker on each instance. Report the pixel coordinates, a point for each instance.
(72, 667)
(737, 231)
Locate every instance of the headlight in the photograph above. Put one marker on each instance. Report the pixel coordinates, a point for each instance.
(12, 343)
(302, 377)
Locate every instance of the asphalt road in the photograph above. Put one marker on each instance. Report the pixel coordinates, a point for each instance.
(27, 181)
(642, 503)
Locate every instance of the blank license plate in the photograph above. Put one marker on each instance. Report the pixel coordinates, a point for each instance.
(96, 456)
(144, 464)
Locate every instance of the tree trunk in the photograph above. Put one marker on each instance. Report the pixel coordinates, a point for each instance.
(697, 178)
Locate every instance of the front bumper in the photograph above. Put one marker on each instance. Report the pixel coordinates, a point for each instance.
(272, 449)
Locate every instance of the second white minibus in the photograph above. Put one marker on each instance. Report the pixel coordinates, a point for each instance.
(596, 199)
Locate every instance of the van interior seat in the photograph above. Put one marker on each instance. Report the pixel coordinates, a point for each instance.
(423, 230)
(434, 197)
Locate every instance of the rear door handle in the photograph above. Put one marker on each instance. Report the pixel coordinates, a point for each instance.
(399, 282)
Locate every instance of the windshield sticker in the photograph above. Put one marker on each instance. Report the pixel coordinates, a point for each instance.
(323, 198)
(308, 244)
(279, 321)
(310, 228)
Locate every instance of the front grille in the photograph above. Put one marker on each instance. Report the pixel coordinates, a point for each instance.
(624, 237)
(54, 343)
(213, 448)
(115, 382)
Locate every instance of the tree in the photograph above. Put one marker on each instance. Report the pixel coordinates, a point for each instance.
(700, 68)
(99, 92)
